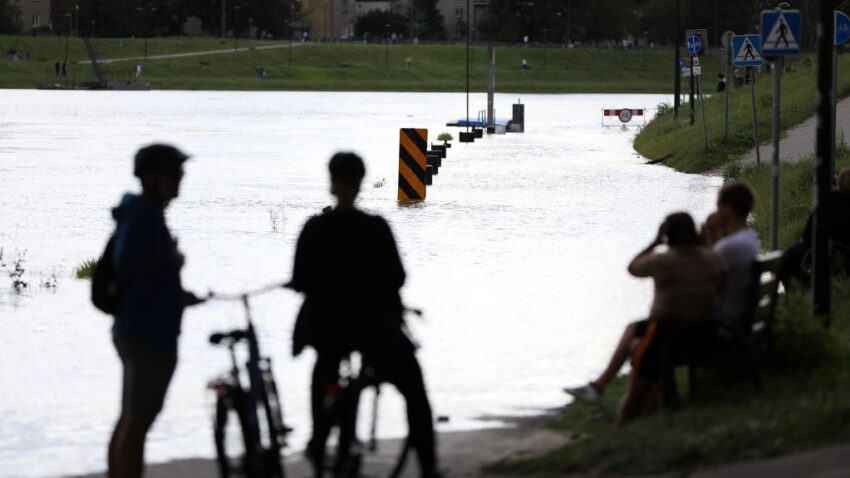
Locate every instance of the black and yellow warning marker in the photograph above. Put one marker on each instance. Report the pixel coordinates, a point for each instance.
(412, 164)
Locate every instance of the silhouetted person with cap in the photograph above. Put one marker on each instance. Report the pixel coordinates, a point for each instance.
(150, 304)
(348, 267)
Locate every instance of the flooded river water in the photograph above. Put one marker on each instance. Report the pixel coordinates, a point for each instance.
(518, 256)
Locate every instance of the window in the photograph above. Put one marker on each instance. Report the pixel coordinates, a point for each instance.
(345, 7)
(458, 12)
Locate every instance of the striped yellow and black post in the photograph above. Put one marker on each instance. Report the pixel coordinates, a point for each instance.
(413, 143)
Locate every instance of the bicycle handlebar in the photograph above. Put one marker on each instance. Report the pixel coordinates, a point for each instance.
(243, 295)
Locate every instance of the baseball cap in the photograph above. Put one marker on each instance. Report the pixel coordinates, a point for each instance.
(153, 157)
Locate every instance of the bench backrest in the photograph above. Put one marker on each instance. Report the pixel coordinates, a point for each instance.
(765, 288)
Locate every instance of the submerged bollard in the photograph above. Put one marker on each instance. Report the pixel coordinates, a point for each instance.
(412, 164)
(440, 148)
(518, 119)
(467, 137)
(478, 132)
(429, 175)
(434, 158)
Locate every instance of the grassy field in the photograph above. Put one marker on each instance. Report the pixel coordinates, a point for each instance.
(682, 143)
(352, 67)
(805, 403)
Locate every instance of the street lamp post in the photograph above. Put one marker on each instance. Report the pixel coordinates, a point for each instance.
(70, 27)
(76, 20)
(387, 46)
(236, 28)
(150, 22)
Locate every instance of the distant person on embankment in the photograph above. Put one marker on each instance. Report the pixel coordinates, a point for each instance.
(792, 259)
(348, 267)
(150, 304)
(686, 277)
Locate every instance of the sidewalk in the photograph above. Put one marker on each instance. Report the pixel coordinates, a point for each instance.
(193, 53)
(799, 141)
(462, 454)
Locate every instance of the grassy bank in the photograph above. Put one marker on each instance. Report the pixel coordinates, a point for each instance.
(682, 144)
(805, 403)
(351, 67)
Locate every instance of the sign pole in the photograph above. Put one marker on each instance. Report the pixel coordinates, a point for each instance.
(702, 112)
(834, 103)
(774, 197)
(821, 286)
(691, 92)
(755, 120)
(726, 91)
(677, 80)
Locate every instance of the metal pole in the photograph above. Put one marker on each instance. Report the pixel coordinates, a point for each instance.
(726, 91)
(834, 102)
(774, 198)
(677, 79)
(468, 30)
(823, 169)
(491, 86)
(702, 112)
(223, 18)
(691, 92)
(236, 29)
(755, 121)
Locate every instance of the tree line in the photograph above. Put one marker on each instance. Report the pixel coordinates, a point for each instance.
(504, 21)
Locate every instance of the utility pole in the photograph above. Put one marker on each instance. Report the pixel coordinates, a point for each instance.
(821, 280)
(223, 18)
(236, 28)
(677, 78)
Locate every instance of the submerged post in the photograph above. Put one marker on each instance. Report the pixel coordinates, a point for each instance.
(491, 86)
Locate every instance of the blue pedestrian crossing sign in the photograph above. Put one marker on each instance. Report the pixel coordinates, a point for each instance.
(842, 28)
(746, 50)
(694, 45)
(780, 32)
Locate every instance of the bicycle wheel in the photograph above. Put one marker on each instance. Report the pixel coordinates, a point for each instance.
(275, 428)
(236, 449)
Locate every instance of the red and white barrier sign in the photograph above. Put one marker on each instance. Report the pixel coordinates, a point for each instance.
(625, 115)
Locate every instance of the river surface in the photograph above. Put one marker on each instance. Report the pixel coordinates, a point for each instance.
(518, 255)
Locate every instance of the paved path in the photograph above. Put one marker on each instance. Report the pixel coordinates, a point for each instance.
(462, 454)
(799, 141)
(193, 53)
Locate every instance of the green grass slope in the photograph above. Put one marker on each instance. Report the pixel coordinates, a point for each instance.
(681, 144)
(352, 67)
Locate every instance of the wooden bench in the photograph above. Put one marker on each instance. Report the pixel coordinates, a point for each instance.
(716, 344)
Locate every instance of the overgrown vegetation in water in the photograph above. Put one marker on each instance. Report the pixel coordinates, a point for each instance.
(682, 143)
(15, 269)
(805, 403)
(85, 269)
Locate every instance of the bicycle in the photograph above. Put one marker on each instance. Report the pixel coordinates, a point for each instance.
(343, 404)
(262, 435)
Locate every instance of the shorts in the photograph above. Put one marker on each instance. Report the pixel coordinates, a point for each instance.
(147, 372)
(654, 336)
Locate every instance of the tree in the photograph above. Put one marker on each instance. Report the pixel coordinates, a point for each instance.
(9, 18)
(374, 24)
(428, 20)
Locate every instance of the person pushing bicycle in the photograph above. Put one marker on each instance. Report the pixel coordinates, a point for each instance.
(348, 267)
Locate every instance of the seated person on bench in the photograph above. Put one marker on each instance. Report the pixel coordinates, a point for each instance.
(738, 251)
(686, 277)
(792, 258)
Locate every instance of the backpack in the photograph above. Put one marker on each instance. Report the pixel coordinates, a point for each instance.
(104, 282)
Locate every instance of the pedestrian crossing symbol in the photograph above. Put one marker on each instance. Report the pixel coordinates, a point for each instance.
(747, 51)
(780, 32)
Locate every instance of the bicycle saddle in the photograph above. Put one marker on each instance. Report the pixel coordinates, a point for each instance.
(233, 336)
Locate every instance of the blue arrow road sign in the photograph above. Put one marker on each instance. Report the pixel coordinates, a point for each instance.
(780, 32)
(746, 50)
(842, 28)
(694, 45)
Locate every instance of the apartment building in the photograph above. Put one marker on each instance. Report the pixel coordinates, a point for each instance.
(35, 14)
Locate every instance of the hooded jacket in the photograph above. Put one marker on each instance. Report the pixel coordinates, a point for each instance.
(150, 305)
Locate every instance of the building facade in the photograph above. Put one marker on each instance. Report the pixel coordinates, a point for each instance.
(336, 18)
(35, 15)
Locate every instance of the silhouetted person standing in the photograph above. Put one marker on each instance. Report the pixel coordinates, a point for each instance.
(150, 304)
(348, 267)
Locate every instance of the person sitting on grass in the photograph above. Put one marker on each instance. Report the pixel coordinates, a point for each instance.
(792, 258)
(686, 277)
